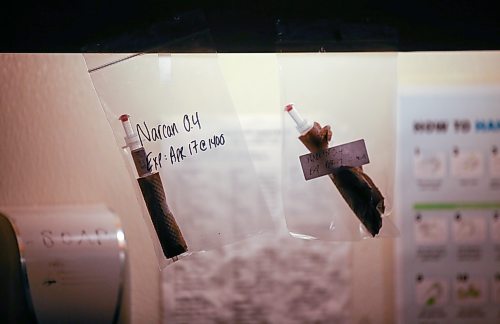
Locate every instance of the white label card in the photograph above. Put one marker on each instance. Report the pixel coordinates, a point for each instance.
(318, 164)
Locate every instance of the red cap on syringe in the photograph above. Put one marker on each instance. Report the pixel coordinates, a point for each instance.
(131, 139)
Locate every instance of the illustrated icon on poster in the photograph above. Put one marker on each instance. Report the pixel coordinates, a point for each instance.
(431, 291)
(430, 230)
(469, 290)
(495, 228)
(429, 165)
(466, 165)
(495, 162)
(470, 230)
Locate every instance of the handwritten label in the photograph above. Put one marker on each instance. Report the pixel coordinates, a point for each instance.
(164, 131)
(176, 153)
(318, 164)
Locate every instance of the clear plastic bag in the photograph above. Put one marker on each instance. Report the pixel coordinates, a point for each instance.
(180, 112)
(355, 94)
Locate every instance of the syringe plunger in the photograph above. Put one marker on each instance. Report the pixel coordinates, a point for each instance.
(127, 126)
(131, 139)
(302, 124)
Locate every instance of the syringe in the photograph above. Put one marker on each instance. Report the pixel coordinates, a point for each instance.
(133, 142)
(302, 124)
(169, 234)
(312, 135)
(356, 187)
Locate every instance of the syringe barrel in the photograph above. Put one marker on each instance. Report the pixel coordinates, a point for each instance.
(132, 140)
(169, 234)
(301, 123)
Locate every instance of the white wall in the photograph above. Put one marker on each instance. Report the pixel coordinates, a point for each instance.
(57, 148)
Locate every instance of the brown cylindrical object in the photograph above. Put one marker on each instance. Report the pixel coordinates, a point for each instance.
(316, 139)
(169, 234)
(355, 186)
(140, 161)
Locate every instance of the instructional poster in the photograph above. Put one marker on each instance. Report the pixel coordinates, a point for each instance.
(449, 205)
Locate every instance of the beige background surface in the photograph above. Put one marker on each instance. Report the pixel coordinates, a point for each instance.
(57, 148)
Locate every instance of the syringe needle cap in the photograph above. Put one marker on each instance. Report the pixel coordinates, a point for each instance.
(124, 118)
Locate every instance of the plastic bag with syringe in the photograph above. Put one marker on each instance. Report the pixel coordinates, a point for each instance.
(355, 186)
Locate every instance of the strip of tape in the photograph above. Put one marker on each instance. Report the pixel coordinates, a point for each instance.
(318, 164)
